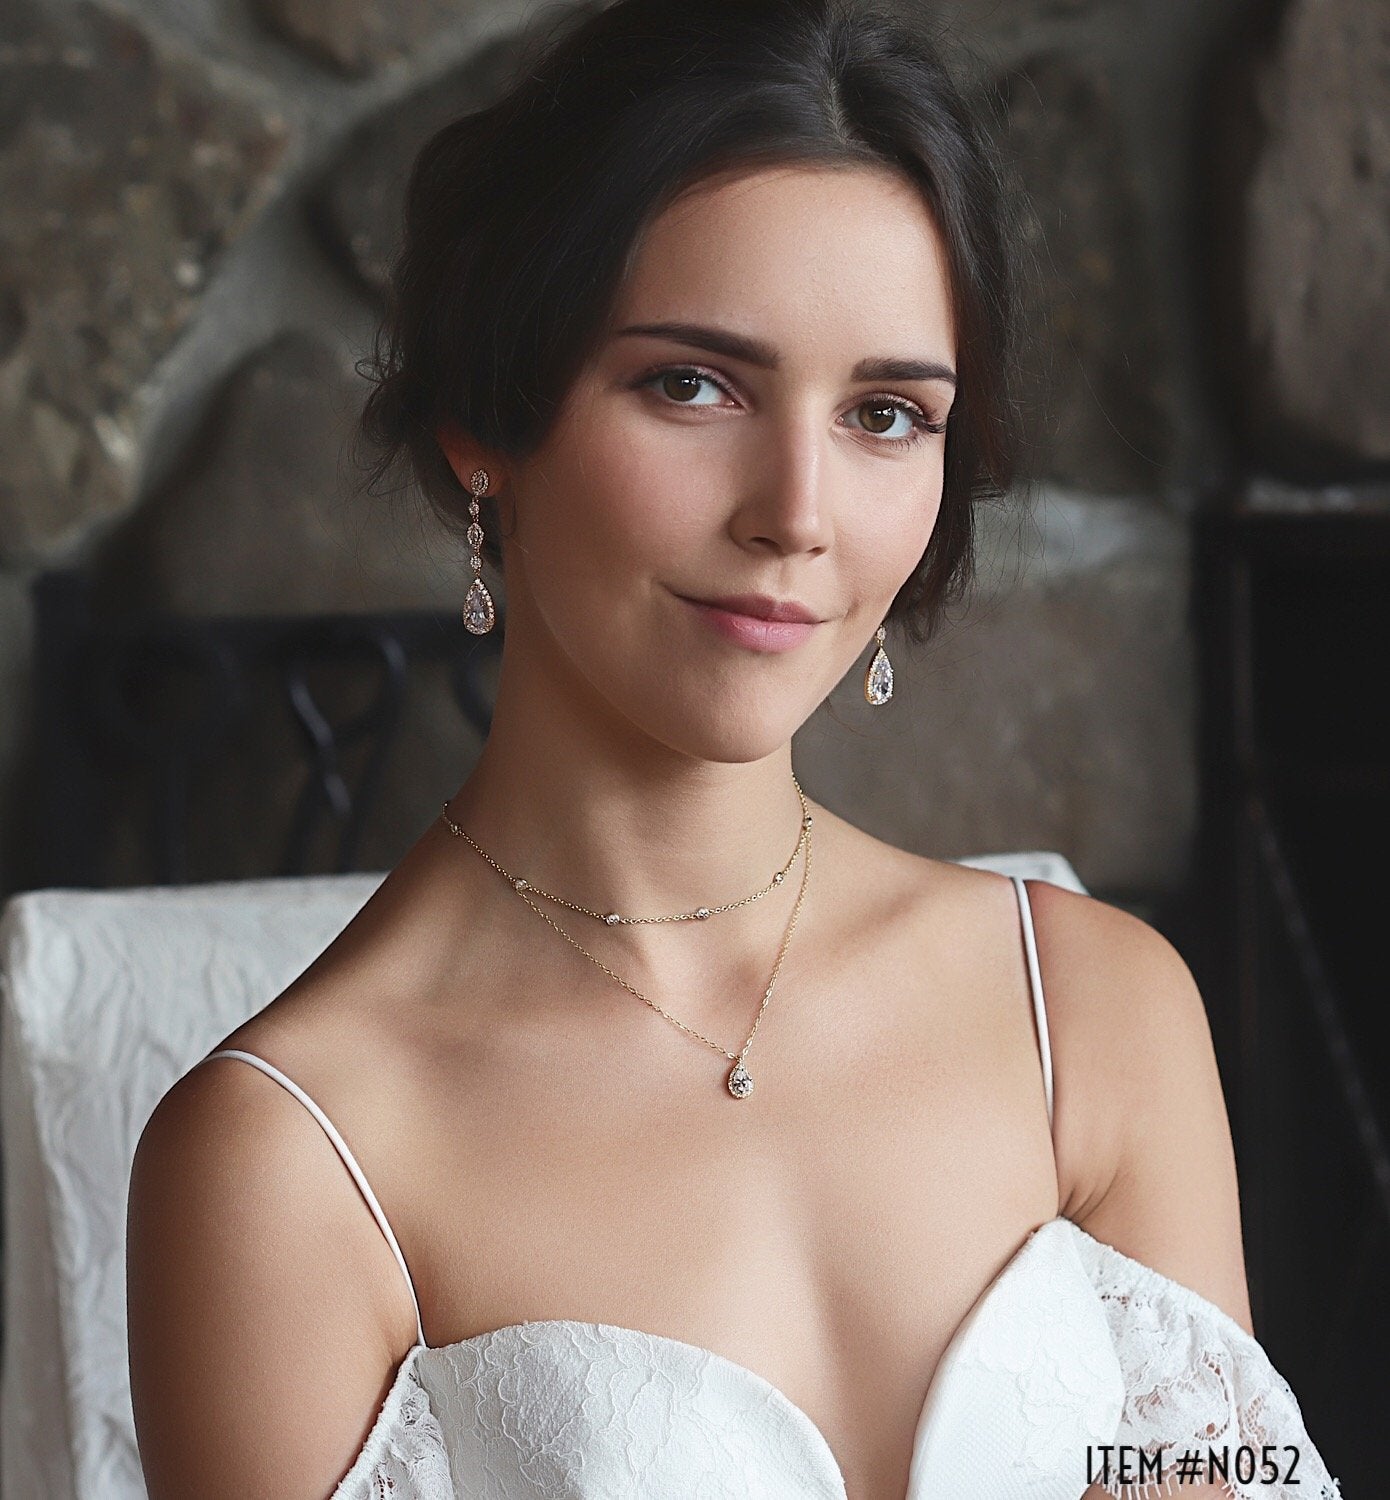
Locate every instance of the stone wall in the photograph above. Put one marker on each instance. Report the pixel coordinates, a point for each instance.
(196, 197)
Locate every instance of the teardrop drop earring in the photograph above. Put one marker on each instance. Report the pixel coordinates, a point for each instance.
(478, 611)
(878, 676)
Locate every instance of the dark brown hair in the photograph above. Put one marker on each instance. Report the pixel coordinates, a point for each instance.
(521, 220)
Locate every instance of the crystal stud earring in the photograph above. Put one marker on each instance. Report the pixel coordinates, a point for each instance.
(878, 677)
(478, 611)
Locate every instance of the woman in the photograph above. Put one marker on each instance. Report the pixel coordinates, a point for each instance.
(905, 1179)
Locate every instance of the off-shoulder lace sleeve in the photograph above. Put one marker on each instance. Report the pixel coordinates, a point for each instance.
(404, 1457)
(1196, 1381)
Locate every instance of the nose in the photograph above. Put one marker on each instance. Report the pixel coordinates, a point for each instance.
(786, 507)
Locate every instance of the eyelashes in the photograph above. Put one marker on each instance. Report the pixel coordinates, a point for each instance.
(921, 422)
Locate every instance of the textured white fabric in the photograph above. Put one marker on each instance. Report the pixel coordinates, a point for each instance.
(1194, 1379)
(107, 997)
(1067, 1347)
(1031, 864)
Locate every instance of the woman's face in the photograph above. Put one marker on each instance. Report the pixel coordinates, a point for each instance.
(785, 441)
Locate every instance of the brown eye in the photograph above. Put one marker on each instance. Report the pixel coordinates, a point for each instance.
(882, 409)
(886, 410)
(680, 385)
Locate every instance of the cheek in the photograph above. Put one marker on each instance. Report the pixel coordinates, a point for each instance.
(888, 544)
(628, 495)
(925, 517)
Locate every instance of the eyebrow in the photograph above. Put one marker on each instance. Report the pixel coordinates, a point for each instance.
(755, 352)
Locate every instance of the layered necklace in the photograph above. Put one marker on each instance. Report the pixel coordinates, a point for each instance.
(739, 1081)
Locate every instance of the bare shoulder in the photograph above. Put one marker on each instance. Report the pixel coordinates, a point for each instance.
(1142, 1134)
(258, 1352)
(892, 877)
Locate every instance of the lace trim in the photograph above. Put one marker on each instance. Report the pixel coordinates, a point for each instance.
(1196, 1380)
(404, 1457)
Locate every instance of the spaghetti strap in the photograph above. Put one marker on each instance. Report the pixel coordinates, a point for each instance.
(1035, 986)
(349, 1161)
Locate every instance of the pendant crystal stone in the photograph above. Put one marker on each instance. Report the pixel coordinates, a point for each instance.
(740, 1083)
(612, 919)
(478, 615)
(878, 680)
(701, 912)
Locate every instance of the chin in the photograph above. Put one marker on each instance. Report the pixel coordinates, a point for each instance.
(727, 730)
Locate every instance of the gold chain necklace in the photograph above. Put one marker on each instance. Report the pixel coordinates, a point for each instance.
(616, 919)
(739, 1081)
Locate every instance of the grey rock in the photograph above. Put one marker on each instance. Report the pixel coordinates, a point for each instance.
(1303, 234)
(265, 517)
(125, 169)
(1097, 367)
(356, 37)
(357, 207)
(1056, 712)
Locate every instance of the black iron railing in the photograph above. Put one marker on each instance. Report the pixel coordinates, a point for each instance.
(165, 695)
(1295, 618)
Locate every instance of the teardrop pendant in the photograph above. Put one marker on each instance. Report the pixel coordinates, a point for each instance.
(478, 613)
(878, 679)
(740, 1082)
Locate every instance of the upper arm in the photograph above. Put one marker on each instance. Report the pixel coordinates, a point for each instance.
(256, 1362)
(1144, 1141)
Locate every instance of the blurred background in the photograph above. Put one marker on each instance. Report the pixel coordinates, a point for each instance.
(219, 660)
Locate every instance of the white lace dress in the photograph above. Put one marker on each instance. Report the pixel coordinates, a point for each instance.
(1072, 1346)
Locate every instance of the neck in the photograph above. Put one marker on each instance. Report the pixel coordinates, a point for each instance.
(571, 798)
(642, 840)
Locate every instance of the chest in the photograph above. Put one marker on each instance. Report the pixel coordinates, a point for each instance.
(828, 1233)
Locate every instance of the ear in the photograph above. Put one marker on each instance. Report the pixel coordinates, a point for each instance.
(465, 454)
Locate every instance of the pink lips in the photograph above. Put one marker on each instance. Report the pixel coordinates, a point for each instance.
(748, 630)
